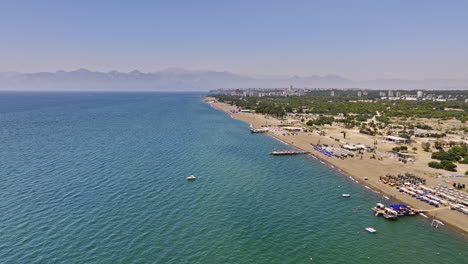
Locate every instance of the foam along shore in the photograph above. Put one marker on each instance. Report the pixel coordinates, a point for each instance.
(365, 167)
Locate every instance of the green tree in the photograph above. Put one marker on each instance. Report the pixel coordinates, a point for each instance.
(435, 165)
(448, 165)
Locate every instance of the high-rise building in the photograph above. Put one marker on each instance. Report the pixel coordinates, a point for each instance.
(359, 94)
(332, 93)
(420, 94)
(390, 93)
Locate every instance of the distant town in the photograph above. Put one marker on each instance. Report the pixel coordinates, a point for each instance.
(358, 94)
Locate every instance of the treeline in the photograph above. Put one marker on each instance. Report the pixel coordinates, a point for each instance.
(354, 111)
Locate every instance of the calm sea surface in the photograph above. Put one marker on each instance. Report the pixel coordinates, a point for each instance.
(100, 178)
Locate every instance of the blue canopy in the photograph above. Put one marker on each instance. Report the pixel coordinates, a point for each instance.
(399, 206)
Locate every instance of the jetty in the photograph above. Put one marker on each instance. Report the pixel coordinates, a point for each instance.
(288, 152)
(259, 130)
(394, 210)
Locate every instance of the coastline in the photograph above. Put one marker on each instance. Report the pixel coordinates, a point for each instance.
(355, 169)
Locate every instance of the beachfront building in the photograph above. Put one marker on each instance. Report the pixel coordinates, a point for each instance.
(397, 140)
(405, 157)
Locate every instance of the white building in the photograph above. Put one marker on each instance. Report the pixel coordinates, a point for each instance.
(397, 140)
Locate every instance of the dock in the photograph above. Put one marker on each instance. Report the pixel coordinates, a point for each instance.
(288, 152)
(259, 130)
(394, 210)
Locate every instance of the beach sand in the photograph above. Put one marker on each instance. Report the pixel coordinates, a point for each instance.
(365, 167)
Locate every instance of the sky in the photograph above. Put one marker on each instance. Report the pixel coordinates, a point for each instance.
(357, 39)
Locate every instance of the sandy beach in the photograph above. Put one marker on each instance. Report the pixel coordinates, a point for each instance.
(365, 168)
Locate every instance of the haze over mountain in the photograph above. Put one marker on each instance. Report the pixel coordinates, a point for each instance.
(176, 79)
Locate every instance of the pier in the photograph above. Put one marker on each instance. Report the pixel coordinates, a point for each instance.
(259, 130)
(288, 152)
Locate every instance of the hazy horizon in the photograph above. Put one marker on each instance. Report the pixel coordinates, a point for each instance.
(251, 75)
(359, 40)
(185, 80)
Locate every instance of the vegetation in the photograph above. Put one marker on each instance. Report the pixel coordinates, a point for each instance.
(321, 121)
(353, 112)
(426, 146)
(436, 135)
(455, 154)
(435, 165)
(401, 148)
(445, 164)
(421, 126)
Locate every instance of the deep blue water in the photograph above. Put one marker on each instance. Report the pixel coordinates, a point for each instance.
(100, 178)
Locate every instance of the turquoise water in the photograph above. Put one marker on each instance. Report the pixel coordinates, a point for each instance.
(100, 178)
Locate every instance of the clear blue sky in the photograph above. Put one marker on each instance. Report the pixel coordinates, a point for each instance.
(354, 38)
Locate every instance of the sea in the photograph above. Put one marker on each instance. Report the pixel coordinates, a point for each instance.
(100, 177)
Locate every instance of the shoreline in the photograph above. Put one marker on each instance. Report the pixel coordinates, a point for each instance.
(459, 223)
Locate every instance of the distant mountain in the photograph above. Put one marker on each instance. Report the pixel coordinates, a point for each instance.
(176, 79)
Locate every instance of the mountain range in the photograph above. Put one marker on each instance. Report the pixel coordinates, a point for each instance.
(183, 80)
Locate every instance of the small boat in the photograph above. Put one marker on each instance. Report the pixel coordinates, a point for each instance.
(390, 213)
(371, 230)
(346, 195)
(191, 178)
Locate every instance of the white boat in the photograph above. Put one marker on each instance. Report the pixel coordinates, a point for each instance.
(346, 195)
(371, 230)
(191, 178)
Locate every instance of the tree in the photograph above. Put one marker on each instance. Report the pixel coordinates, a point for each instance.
(426, 146)
(448, 165)
(435, 165)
